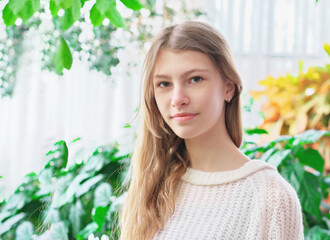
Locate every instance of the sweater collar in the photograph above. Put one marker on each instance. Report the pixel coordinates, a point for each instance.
(198, 177)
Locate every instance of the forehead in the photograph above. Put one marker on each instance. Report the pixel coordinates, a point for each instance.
(178, 61)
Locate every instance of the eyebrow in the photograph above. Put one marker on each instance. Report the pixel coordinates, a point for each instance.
(183, 75)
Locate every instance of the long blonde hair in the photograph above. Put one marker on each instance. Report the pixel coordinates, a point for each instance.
(160, 157)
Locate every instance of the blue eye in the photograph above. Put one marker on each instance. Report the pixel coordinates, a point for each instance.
(163, 84)
(196, 79)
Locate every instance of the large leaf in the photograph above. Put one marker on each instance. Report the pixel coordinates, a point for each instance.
(88, 230)
(16, 5)
(35, 5)
(268, 153)
(24, 231)
(75, 215)
(62, 58)
(8, 16)
(53, 8)
(317, 233)
(102, 195)
(87, 185)
(309, 136)
(306, 186)
(58, 231)
(104, 5)
(99, 214)
(311, 157)
(96, 16)
(132, 4)
(67, 19)
(10, 222)
(65, 4)
(115, 17)
(15, 202)
(294, 174)
(76, 6)
(106, 8)
(278, 157)
(26, 11)
(310, 194)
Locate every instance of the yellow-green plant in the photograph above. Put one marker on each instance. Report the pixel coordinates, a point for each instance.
(298, 103)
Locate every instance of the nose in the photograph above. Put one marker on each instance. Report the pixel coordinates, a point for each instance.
(179, 97)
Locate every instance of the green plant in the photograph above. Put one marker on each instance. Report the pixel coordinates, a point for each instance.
(303, 168)
(20, 16)
(72, 201)
(67, 201)
(298, 103)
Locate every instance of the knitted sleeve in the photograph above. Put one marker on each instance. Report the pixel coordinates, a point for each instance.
(284, 215)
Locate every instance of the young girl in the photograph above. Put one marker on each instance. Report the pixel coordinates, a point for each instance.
(189, 180)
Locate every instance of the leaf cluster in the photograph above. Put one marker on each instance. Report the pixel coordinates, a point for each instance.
(303, 167)
(67, 201)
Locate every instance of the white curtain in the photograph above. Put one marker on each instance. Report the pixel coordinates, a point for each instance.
(267, 38)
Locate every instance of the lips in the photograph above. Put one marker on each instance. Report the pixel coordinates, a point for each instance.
(182, 117)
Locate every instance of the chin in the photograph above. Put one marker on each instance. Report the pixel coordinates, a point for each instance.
(185, 134)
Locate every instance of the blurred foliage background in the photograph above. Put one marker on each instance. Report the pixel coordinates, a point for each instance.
(81, 198)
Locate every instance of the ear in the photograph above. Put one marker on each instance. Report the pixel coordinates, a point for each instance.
(229, 90)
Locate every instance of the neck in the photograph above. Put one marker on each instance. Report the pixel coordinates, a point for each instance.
(214, 151)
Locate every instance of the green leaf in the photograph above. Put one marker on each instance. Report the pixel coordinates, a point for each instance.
(83, 2)
(96, 17)
(327, 48)
(311, 157)
(309, 136)
(16, 5)
(4, 214)
(86, 186)
(35, 5)
(53, 8)
(75, 216)
(67, 19)
(104, 5)
(62, 58)
(89, 229)
(115, 17)
(306, 186)
(255, 131)
(94, 163)
(51, 215)
(8, 16)
(65, 4)
(317, 233)
(127, 126)
(26, 12)
(75, 184)
(310, 194)
(102, 195)
(278, 157)
(76, 5)
(24, 231)
(294, 174)
(15, 201)
(58, 231)
(10, 222)
(119, 201)
(267, 154)
(99, 215)
(132, 4)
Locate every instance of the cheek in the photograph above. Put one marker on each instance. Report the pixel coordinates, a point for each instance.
(161, 105)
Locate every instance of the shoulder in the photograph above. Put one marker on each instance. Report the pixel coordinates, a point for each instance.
(283, 208)
(276, 188)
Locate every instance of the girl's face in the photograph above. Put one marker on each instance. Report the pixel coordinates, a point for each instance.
(190, 93)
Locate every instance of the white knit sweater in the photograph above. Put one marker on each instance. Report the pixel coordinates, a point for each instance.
(251, 202)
